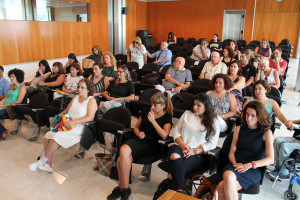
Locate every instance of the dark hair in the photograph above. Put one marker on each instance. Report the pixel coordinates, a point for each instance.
(163, 98)
(247, 53)
(227, 81)
(209, 114)
(263, 117)
(236, 46)
(278, 48)
(239, 72)
(263, 83)
(60, 67)
(89, 86)
(1, 68)
(98, 49)
(77, 67)
(73, 57)
(216, 35)
(47, 67)
(172, 36)
(19, 74)
(231, 53)
(100, 65)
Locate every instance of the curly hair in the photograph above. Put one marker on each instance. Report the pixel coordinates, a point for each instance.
(19, 74)
(263, 117)
(163, 98)
(263, 83)
(209, 114)
(89, 86)
(231, 53)
(113, 60)
(227, 81)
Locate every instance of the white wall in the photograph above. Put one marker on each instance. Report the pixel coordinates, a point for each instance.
(31, 68)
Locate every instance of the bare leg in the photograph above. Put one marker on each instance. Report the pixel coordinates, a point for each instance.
(231, 185)
(46, 143)
(51, 148)
(124, 166)
(221, 194)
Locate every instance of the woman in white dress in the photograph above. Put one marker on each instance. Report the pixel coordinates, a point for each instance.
(81, 109)
(137, 52)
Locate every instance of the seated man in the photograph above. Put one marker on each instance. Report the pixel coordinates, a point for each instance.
(278, 63)
(213, 67)
(283, 147)
(162, 57)
(4, 84)
(201, 52)
(248, 71)
(177, 78)
(215, 44)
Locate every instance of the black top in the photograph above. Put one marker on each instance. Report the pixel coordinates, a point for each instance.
(248, 71)
(215, 45)
(227, 63)
(121, 90)
(96, 58)
(147, 127)
(52, 79)
(252, 60)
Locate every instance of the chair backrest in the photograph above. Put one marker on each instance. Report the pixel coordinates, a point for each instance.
(187, 46)
(242, 42)
(180, 41)
(132, 66)
(194, 43)
(227, 41)
(182, 101)
(224, 160)
(134, 76)
(272, 43)
(180, 54)
(190, 40)
(176, 50)
(275, 95)
(188, 62)
(120, 57)
(255, 42)
(151, 78)
(172, 46)
(147, 94)
(202, 83)
(118, 114)
(38, 100)
(151, 67)
(165, 68)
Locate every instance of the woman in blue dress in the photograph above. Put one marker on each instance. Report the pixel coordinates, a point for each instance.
(251, 148)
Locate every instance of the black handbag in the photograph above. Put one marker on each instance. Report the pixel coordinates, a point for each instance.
(11, 112)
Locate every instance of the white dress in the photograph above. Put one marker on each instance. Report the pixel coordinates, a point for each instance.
(138, 55)
(67, 139)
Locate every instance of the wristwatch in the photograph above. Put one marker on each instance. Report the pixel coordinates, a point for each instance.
(195, 151)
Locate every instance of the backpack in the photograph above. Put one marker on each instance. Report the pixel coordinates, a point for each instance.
(162, 188)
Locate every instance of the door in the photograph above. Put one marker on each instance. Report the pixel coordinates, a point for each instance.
(233, 24)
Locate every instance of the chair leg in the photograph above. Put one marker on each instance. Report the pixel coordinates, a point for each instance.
(35, 134)
(240, 196)
(16, 128)
(145, 173)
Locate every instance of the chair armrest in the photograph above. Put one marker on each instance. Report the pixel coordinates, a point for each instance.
(90, 123)
(20, 104)
(125, 130)
(165, 141)
(38, 109)
(216, 152)
(213, 161)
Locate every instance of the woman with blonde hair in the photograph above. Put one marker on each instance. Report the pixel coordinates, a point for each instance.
(110, 65)
(265, 72)
(264, 51)
(137, 52)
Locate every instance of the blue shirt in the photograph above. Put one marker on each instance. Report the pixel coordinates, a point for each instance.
(163, 54)
(4, 85)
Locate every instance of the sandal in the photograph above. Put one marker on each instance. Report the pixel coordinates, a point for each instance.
(32, 139)
(79, 155)
(3, 135)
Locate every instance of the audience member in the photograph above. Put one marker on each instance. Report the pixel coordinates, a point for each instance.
(137, 52)
(264, 50)
(228, 57)
(43, 71)
(251, 148)
(213, 67)
(253, 61)
(176, 78)
(110, 65)
(16, 93)
(201, 52)
(234, 46)
(271, 76)
(4, 84)
(171, 38)
(81, 109)
(71, 59)
(152, 125)
(248, 71)
(162, 57)
(223, 101)
(196, 132)
(277, 62)
(97, 54)
(215, 44)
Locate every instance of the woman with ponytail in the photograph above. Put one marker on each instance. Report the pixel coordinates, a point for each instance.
(152, 125)
(196, 132)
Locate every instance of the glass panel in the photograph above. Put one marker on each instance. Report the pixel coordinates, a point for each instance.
(12, 10)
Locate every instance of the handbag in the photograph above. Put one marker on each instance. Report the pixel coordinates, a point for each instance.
(11, 112)
(87, 63)
(106, 105)
(205, 189)
(59, 121)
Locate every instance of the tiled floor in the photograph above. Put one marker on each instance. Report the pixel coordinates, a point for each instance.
(75, 179)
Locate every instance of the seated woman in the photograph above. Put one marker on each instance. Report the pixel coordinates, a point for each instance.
(234, 46)
(223, 101)
(151, 126)
(196, 132)
(81, 109)
(251, 148)
(54, 80)
(234, 73)
(171, 38)
(265, 72)
(97, 54)
(253, 61)
(110, 65)
(264, 51)
(15, 94)
(43, 71)
(137, 52)
(118, 91)
(71, 59)
(228, 57)
(259, 91)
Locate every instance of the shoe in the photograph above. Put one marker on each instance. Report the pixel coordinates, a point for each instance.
(270, 169)
(115, 194)
(33, 167)
(125, 194)
(32, 139)
(46, 167)
(282, 176)
(14, 132)
(3, 135)
(79, 155)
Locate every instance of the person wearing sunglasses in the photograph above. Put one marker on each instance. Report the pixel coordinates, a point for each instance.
(137, 52)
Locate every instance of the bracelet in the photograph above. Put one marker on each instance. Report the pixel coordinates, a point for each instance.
(195, 151)
(254, 165)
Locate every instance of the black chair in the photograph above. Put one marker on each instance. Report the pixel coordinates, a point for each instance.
(147, 68)
(157, 47)
(242, 42)
(132, 66)
(195, 72)
(35, 110)
(172, 46)
(147, 81)
(255, 42)
(188, 62)
(134, 76)
(190, 40)
(122, 59)
(180, 54)
(194, 43)
(181, 102)
(176, 50)
(163, 70)
(275, 95)
(272, 43)
(227, 41)
(200, 86)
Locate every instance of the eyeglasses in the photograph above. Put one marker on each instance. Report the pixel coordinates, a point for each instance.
(176, 61)
(203, 43)
(80, 87)
(120, 72)
(135, 42)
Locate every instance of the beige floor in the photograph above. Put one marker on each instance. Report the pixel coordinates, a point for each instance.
(75, 179)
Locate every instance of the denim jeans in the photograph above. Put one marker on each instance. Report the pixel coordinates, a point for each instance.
(2, 112)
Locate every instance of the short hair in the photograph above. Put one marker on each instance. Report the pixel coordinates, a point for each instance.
(216, 35)
(73, 57)
(263, 83)
(163, 98)
(246, 53)
(77, 67)
(1, 68)
(230, 51)
(60, 67)
(278, 48)
(112, 58)
(47, 67)
(89, 86)
(227, 81)
(264, 61)
(263, 117)
(268, 44)
(19, 74)
(138, 40)
(100, 65)
(206, 40)
(98, 49)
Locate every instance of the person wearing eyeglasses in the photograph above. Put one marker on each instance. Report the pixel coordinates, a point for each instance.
(215, 66)
(162, 57)
(271, 76)
(81, 109)
(177, 78)
(277, 62)
(201, 51)
(137, 52)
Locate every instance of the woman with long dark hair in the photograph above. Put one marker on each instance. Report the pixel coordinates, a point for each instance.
(43, 71)
(171, 38)
(71, 59)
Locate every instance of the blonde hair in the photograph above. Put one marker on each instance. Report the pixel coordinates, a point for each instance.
(251, 52)
(138, 39)
(268, 45)
(163, 98)
(127, 74)
(264, 61)
(113, 60)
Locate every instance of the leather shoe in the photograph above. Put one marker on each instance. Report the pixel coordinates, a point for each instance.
(115, 194)
(125, 194)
